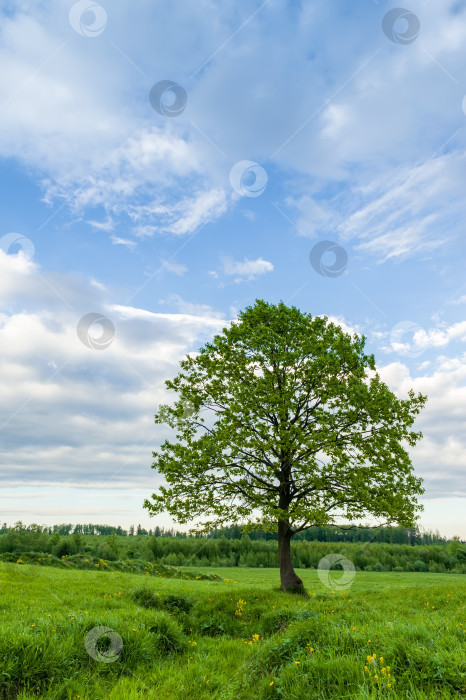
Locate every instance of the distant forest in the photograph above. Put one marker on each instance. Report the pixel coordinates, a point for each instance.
(387, 535)
(382, 549)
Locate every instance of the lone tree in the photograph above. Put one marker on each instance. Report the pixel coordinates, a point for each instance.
(301, 432)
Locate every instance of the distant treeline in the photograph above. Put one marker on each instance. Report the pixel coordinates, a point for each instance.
(387, 535)
(217, 550)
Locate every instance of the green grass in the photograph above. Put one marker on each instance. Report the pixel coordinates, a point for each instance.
(80, 561)
(175, 638)
(363, 580)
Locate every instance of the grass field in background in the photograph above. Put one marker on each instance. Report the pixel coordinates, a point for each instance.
(239, 638)
(363, 580)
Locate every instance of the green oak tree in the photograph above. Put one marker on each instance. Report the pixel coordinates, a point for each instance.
(284, 423)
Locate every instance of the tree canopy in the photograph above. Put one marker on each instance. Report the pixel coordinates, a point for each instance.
(289, 426)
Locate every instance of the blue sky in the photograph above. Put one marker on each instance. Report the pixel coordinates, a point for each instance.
(296, 123)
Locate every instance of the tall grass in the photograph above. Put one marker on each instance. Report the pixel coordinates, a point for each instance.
(216, 639)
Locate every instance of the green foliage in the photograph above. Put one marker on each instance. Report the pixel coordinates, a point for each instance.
(104, 551)
(282, 388)
(196, 551)
(31, 536)
(420, 565)
(64, 548)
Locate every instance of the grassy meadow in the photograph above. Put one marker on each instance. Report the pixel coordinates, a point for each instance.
(389, 635)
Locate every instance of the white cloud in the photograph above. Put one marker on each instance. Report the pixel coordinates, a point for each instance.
(116, 240)
(193, 213)
(91, 145)
(414, 339)
(185, 215)
(98, 285)
(407, 214)
(152, 160)
(107, 225)
(176, 268)
(313, 216)
(401, 213)
(188, 307)
(146, 231)
(97, 142)
(91, 410)
(131, 313)
(440, 456)
(246, 269)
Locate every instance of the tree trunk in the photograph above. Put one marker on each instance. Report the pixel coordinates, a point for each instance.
(289, 580)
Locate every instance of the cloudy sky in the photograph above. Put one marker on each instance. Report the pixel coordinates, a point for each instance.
(164, 164)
